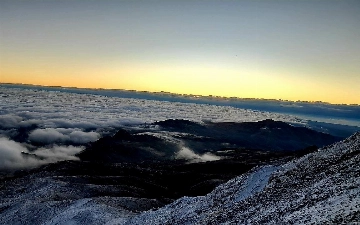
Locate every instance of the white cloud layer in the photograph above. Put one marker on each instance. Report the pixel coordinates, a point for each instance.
(50, 109)
(70, 118)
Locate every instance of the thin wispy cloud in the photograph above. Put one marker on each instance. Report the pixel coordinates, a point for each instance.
(192, 157)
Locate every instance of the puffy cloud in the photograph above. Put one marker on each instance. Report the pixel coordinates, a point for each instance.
(66, 123)
(12, 157)
(48, 135)
(9, 121)
(16, 156)
(58, 153)
(55, 135)
(81, 137)
(188, 154)
(31, 122)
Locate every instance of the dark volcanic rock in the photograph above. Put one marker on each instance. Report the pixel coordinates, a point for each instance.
(270, 135)
(125, 146)
(122, 134)
(161, 180)
(180, 125)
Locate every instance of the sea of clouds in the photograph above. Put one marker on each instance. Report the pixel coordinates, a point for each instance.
(41, 126)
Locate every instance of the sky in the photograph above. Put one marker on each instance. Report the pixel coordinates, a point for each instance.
(293, 50)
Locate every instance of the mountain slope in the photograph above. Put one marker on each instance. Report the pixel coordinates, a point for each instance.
(321, 187)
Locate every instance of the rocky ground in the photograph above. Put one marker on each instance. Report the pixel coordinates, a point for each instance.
(126, 177)
(319, 188)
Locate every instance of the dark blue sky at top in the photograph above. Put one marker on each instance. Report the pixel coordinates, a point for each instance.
(148, 45)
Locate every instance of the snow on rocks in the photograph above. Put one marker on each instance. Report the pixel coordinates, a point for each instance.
(190, 210)
(321, 187)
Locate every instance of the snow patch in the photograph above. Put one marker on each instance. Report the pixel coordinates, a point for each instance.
(255, 182)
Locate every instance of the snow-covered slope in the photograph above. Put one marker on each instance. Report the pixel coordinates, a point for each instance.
(319, 188)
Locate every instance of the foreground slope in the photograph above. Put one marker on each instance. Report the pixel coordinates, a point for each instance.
(321, 187)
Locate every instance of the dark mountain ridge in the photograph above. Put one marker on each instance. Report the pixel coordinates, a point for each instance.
(170, 136)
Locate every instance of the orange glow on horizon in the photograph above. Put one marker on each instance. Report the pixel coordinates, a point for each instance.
(253, 81)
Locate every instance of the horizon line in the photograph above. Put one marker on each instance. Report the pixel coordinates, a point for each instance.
(198, 96)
